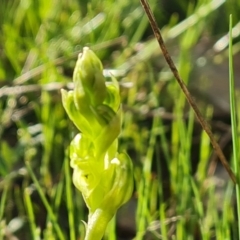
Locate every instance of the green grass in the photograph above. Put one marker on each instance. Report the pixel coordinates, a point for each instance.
(176, 198)
(234, 119)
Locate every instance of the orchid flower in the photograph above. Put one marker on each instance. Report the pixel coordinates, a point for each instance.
(104, 176)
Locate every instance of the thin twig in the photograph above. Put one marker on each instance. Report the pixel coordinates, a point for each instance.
(23, 89)
(182, 85)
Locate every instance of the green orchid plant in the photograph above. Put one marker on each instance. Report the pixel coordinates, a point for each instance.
(104, 176)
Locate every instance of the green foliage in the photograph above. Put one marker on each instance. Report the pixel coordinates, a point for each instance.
(174, 198)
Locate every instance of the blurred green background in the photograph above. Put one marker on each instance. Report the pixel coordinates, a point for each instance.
(175, 197)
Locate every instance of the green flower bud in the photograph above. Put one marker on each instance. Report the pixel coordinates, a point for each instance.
(113, 96)
(109, 132)
(87, 169)
(89, 80)
(117, 185)
(77, 118)
(121, 183)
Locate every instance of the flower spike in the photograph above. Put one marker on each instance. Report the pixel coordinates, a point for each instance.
(104, 176)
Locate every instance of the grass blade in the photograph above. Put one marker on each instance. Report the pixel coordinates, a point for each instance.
(45, 202)
(233, 107)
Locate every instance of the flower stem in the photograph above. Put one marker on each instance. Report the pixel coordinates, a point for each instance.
(97, 224)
